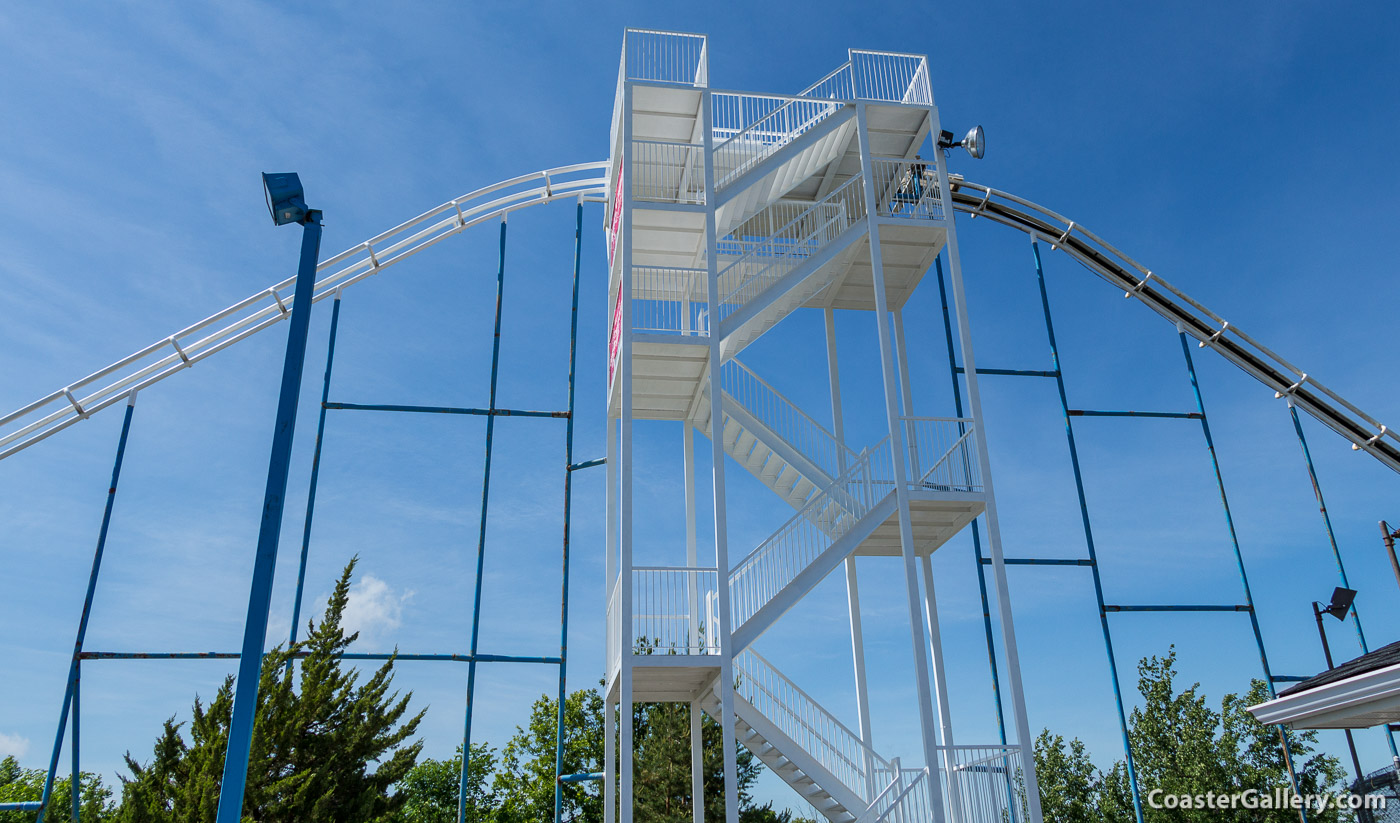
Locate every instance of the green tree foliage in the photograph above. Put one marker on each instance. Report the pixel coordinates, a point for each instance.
(313, 745)
(18, 784)
(525, 782)
(1183, 746)
(429, 791)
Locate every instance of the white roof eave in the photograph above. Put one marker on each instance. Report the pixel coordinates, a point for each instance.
(1329, 706)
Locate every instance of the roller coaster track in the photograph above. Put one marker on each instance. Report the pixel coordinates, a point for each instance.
(588, 181)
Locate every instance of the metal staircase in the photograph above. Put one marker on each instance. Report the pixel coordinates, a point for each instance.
(777, 260)
(822, 759)
(771, 437)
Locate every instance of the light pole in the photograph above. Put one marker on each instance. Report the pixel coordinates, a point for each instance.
(284, 201)
(1388, 537)
(1338, 608)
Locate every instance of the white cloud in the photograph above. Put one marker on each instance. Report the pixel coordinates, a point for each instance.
(374, 608)
(13, 745)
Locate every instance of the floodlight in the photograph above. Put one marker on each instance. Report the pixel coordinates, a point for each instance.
(975, 142)
(1341, 602)
(284, 197)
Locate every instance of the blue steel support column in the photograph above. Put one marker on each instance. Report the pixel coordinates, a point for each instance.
(1332, 541)
(245, 698)
(1088, 533)
(481, 538)
(75, 783)
(315, 474)
(70, 697)
(1239, 558)
(568, 489)
(976, 535)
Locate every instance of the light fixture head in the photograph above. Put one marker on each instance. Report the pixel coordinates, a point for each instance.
(975, 142)
(1341, 602)
(284, 197)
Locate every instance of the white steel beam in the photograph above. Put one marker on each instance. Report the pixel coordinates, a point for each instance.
(974, 408)
(901, 488)
(726, 654)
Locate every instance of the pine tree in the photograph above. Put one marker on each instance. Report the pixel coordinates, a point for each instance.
(313, 745)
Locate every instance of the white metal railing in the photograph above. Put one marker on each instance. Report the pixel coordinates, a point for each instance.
(875, 75)
(670, 301)
(985, 783)
(785, 420)
(768, 259)
(838, 749)
(906, 188)
(942, 454)
(665, 57)
(749, 127)
(666, 172)
(903, 796)
(669, 614)
(826, 517)
(891, 77)
(111, 385)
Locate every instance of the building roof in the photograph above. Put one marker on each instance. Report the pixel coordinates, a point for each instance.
(1378, 659)
(1355, 695)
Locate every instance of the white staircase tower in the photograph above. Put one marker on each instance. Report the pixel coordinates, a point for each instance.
(727, 213)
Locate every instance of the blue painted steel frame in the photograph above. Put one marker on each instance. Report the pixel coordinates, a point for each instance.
(245, 697)
(1092, 561)
(1336, 552)
(481, 539)
(568, 503)
(250, 658)
(70, 697)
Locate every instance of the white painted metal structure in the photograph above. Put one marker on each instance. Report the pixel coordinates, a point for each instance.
(728, 213)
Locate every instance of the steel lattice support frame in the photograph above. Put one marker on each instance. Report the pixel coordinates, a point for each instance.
(1091, 561)
(70, 704)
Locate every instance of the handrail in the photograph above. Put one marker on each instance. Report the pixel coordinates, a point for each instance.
(852, 215)
(822, 109)
(265, 308)
(805, 437)
(793, 546)
(752, 670)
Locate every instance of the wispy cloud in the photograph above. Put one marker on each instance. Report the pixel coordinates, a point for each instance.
(375, 608)
(13, 745)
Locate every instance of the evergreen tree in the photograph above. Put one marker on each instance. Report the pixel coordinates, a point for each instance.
(19, 784)
(313, 746)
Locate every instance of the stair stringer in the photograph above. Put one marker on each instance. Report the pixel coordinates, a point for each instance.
(783, 170)
(766, 310)
(845, 805)
(807, 579)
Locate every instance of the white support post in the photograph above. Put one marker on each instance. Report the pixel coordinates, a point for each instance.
(974, 408)
(725, 686)
(611, 554)
(852, 586)
(901, 488)
(697, 764)
(609, 762)
(940, 688)
(906, 392)
(623, 375)
(696, 641)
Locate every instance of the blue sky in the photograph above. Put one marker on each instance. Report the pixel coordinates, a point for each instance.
(1245, 152)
